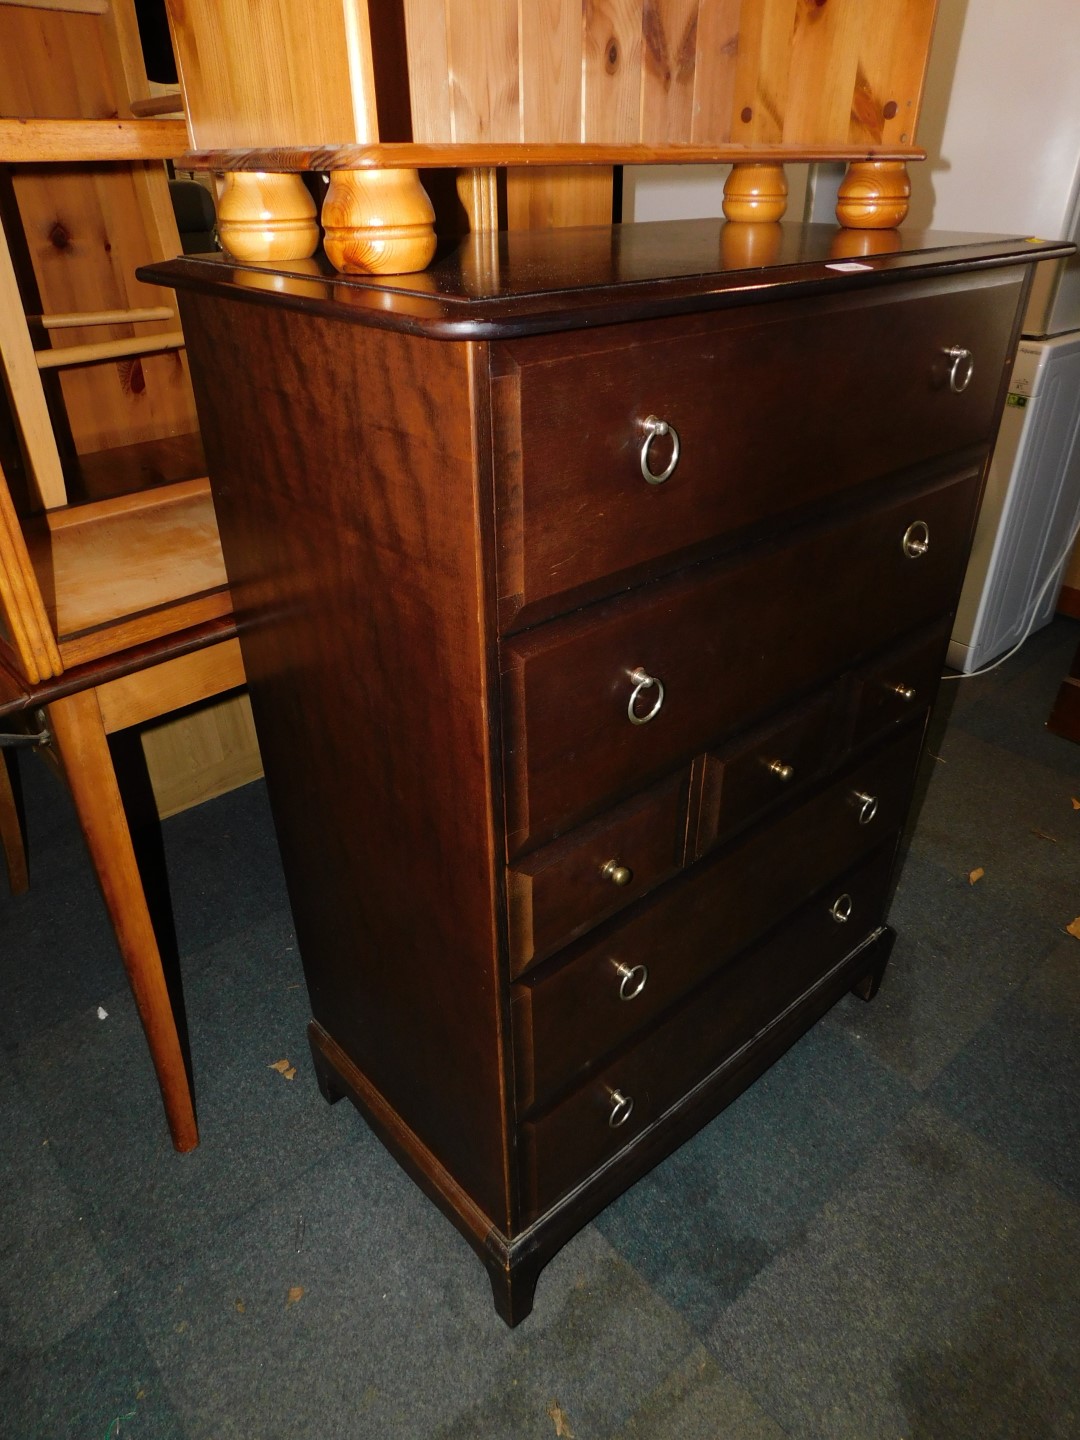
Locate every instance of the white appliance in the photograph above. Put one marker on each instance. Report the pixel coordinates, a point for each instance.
(1030, 510)
(1002, 78)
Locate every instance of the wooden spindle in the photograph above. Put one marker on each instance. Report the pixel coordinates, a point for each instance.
(873, 195)
(755, 192)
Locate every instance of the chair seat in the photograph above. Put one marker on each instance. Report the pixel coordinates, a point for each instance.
(128, 570)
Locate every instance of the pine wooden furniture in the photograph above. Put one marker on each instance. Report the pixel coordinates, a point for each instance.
(114, 609)
(593, 587)
(554, 93)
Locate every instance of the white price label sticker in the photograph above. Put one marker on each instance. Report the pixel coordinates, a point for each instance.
(848, 265)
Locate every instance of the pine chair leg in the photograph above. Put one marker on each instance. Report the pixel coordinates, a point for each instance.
(77, 727)
(12, 841)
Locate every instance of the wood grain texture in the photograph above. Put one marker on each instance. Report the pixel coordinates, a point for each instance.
(612, 70)
(71, 142)
(447, 156)
(429, 70)
(378, 478)
(669, 72)
(203, 753)
(728, 647)
(669, 61)
(710, 380)
(551, 61)
(22, 609)
(188, 679)
(383, 563)
(483, 51)
(88, 227)
(573, 1014)
(75, 723)
(278, 73)
(538, 199)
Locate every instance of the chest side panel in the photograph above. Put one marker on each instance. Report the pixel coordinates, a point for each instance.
(344, 467)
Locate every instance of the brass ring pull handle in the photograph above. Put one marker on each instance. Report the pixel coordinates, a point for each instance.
(867, 806)
(644, 681)
(961, 370)
(653, 428)
(841, 909)
(616, 873)
(632, 979)
(904, 692)
(916, 539)
(621, 1109)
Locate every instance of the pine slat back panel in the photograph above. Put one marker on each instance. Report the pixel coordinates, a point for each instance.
(754, 72)
(278, 72)
(88, 226)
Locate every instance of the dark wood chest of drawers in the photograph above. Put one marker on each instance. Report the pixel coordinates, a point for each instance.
(593, 596)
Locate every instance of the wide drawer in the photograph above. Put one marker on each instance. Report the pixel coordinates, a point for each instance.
(712, 1029)
(568, 1015)
(726, 644)
(557, 893)
(775, 407)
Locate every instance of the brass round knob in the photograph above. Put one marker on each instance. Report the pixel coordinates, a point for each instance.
(632, 979)
(781, 770)
(866, 804)
(841, 909)
(621, 1109)
(616, 873)
(916, 539)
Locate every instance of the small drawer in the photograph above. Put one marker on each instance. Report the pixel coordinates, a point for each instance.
(568, 1014)
(762, 770)
(619, 1102)
(893, 687)
(606, 701)
(558, 893)
(752, 395)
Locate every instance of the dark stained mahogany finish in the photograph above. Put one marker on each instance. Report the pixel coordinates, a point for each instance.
(559, 892)
(443, 579)
(570, 1014)
(710, 378)
(728, 643)
(707, 1033)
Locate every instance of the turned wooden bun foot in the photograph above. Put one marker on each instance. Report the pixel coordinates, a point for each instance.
(378, 222)
(874, 195)
(266, 217)
(755, 192)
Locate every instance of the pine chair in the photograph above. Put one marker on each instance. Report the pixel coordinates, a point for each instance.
(114, 607)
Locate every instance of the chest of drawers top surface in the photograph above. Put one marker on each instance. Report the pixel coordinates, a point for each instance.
(496, 286)
(593, 588)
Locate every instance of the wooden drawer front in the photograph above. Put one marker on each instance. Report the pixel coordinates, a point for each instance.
(567, 1016)
(565, 1145)
(728, 644)
(753, 396)
(759, 771)
(890, 689)
(557, 893)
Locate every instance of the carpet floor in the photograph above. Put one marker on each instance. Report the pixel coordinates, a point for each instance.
(880, 1240)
